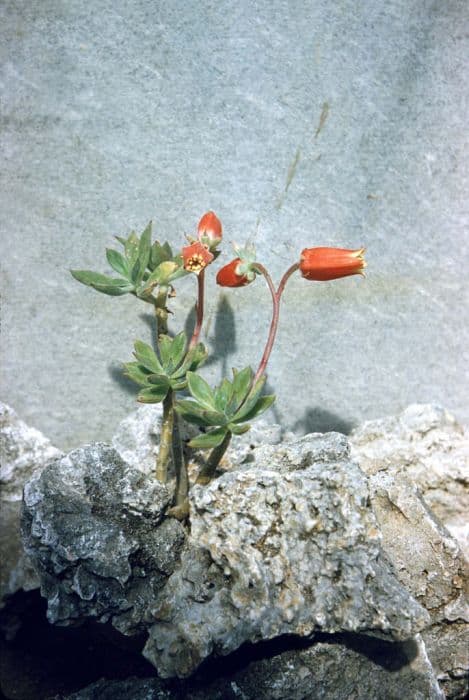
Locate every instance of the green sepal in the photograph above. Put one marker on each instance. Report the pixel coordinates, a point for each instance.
(261, 405)
(147, 357)
(152, 395)
(136, 372)
(209, 440)
(140, 264)
(117, 261)
(200, 390)
(101, 283)
(195, 413)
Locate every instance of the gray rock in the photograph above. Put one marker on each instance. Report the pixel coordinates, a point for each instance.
(94, 528)
(286, 546)
(339, 667)
(427, 445)
(424, 447)
(24, 452)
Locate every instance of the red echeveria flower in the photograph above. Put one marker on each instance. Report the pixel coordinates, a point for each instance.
(323, 264)
(231, 275)
(209, 230)
(196, 257)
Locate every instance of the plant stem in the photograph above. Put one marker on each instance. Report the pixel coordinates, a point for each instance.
(166, 438)
(276, 295)
(199, 310)
(207, 472)
(182, 480)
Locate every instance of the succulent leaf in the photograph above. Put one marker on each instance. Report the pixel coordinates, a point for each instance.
(201, 391)
(147, 357)
(117, 261)
(209, 440)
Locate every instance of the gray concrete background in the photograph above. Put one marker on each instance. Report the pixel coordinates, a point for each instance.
(114, 113)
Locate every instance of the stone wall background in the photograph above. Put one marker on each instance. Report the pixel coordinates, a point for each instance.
(114, 113)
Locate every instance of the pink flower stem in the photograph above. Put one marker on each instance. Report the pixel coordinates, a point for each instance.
(199, 309)
(276, 295)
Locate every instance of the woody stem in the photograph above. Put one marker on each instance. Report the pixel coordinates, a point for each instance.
(276, 295)
(166, 435)
(199, 309)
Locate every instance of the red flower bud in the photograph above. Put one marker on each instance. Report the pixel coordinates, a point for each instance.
(322, 264)
(196, 257)
(229, 275)
(209, 230)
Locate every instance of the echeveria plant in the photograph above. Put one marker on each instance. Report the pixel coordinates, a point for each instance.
(168, 372)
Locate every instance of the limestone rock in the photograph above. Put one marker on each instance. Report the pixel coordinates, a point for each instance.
(414, 461)
(427, 445)
(94, 528)
(288, 545)
(24, 451)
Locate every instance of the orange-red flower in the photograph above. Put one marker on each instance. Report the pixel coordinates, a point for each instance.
(231, 276)
(209, 230)
(196, 257)
(331, 263)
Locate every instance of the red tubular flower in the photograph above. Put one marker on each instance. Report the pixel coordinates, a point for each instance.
(196, 257)
(229, 275)
(209, 230)
(322, 264)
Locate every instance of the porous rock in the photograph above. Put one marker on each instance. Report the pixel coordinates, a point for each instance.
(24, 451)
(288, 545)
(94, 529)
(427, 445)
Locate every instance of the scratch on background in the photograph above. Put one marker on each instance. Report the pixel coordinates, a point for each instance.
(290, 175)
(322, 118)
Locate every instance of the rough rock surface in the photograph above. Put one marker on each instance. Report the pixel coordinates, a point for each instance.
(337, 667)
(24, 451)
(424, 446)
(427, 445)
(288, 547)
(95, 530)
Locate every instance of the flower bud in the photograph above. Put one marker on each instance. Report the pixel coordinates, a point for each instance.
(231, 275)
(209, 230)
(196, 257)
(323, 264)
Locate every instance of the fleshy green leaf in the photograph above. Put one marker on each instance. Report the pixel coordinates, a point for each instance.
(223, 394)
(143, 257)
(107, 285)
(117, 261)
(131, 249)
(152, 395)
(251, 400)
(159, 381)
(239, 429)
(241, 383)
(194, 413)
(259, 407)
(159, 254)
(164, 347)
(137, 373)
(209, 440)
(147, 357)
(178, 348)
(200, 390)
